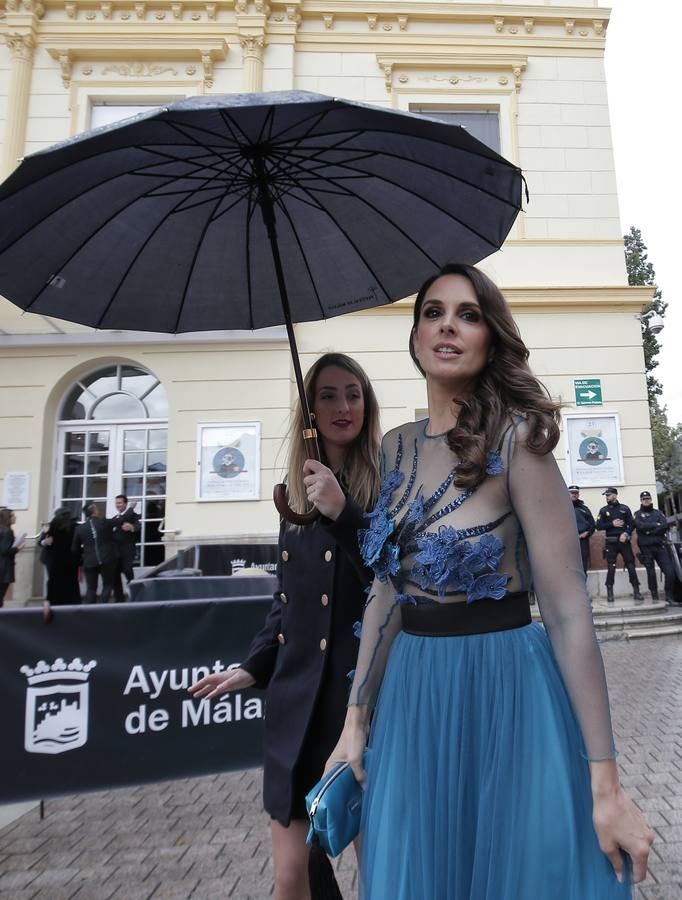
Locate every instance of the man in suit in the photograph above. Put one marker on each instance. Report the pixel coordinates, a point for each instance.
(93, 540)
(126, 529)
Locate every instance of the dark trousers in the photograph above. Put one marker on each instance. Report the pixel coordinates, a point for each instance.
(585, 553)
(4, 587)
(611, 551)
(658, 554)
(124, 566)
(92, 573)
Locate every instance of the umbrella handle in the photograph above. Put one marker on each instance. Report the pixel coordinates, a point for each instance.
(279, 495)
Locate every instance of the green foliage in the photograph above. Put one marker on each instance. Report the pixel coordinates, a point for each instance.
(666, 439)
(641, 272)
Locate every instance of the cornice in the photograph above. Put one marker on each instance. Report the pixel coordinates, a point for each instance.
(132, 54)
(571, 299)
(373, 20)
(510, 67)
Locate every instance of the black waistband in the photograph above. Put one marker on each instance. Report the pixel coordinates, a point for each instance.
(479, 617)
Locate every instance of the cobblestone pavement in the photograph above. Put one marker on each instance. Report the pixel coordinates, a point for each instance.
(208, 837)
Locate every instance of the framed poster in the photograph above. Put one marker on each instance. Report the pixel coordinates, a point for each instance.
(17, 490)
(228, 464)
(593, 449)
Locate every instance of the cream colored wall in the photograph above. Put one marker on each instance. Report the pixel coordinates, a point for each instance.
(540, 62)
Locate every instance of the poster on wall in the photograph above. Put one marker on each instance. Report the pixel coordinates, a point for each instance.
(228, 467)
(17, 490)
(595, 457)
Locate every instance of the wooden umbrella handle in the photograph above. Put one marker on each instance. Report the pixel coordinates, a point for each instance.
(279, 494)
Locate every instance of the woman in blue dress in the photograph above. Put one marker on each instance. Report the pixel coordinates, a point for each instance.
(491, 773)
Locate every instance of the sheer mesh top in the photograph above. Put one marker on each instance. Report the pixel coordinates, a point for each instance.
(429, 541)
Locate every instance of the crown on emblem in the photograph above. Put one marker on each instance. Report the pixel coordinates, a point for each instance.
(76, 670)
(237, 563)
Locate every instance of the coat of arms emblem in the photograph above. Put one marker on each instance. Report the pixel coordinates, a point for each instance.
(57, 705)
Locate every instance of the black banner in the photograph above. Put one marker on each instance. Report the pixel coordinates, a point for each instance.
(97, 698)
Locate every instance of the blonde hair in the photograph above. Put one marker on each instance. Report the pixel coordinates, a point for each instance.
(359, 476)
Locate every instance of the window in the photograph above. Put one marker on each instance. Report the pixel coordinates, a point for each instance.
(483, 124)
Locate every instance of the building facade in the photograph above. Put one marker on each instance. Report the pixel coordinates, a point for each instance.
(88, 414)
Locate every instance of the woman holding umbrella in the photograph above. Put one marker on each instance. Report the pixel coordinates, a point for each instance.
(308, 645)
(492, 772)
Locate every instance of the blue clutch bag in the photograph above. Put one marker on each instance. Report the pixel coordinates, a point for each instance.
(334, 806)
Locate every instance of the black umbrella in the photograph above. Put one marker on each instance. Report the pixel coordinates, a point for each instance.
(248, 210)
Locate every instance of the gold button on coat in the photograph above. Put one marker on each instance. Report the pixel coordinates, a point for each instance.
(328, 555)
(324, 599)
(323, 644)
(283, 597)
(281, 638)
(285, 555)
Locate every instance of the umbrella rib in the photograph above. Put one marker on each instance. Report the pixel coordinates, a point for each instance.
(303, 256)
(234, 128)
(424, 200)
(132, 263)
(439, 171)
(269, 118)
(251, 207)
(315, 119)
(90, 236)
(207, 224)
(491, 155)
(348, 192)
(349, 239)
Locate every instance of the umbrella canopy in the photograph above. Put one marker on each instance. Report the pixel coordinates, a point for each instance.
(157, 224)
(248, 210)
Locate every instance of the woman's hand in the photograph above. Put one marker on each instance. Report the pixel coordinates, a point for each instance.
(352, 742)
(47, 541)
(221, 682)
(618, 823)
(323, 489)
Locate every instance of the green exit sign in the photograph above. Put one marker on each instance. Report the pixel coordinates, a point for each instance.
(587, 391)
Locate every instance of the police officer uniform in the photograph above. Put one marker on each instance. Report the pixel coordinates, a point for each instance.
(584, 521)
(651, 526)
(305, 654)
(614, 545)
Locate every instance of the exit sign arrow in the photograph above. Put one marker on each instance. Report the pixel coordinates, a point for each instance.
(587, 391)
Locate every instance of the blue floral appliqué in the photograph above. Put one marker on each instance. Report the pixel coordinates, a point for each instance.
(449, 562)
(494, 464)
(357, 629)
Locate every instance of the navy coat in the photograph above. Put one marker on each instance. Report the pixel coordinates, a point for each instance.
(305, 652)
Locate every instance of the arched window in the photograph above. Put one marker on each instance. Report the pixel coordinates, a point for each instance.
(113, 439)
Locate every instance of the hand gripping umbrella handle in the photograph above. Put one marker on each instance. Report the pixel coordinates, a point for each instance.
(279, 494)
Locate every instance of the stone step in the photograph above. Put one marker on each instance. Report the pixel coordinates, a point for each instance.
(632, 634)
(625, 622)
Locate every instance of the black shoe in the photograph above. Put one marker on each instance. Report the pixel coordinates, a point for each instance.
(609, 595)
(637, 596)
(654, 596)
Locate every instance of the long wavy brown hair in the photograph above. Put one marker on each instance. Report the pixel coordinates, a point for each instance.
(506, 385)
(6, 517)
(360, 473)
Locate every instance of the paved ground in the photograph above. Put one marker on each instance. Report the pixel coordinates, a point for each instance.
(208, 838)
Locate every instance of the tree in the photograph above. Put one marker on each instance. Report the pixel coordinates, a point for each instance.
(641, 271)
(666, 439)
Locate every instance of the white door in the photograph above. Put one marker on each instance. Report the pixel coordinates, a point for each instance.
(97, 462)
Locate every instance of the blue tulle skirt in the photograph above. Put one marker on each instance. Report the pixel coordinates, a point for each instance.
(477, 787)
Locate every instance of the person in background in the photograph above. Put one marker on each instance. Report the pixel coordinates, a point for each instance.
(60, 559)
(651, 526)
(491, 769)
(584, 521)
(8, 550)
(616, 520)
(309, 643)
(125, 540)
(94, 539)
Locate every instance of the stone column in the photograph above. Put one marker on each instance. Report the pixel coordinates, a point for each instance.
(21, 47)
(252, 56)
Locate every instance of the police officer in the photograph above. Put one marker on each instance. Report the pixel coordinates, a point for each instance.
(584, 521)
(651, 526)
(616, 520)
